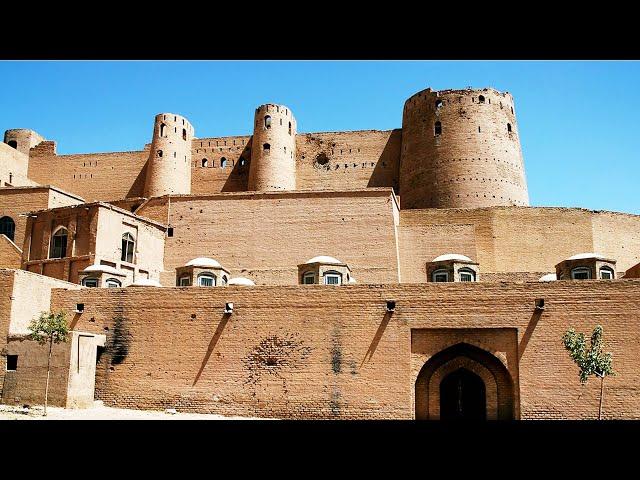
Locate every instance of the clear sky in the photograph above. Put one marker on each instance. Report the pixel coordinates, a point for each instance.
(578, 121)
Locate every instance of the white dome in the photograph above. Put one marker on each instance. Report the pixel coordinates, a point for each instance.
(585, 255)
(324, 259)
(145, 282)
(451, 256)
(549, 277)
(103, 269)
(203, 262)
(241, 281)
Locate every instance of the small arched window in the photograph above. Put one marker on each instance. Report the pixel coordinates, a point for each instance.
(113, 283)
(438, 104)
(128, 245)
(440, 276)
(437, 129)
(309, 278)
(266, 147)
(7, 227)
(159, 153)
(581, 273)
(13, 143)
(207, 280)
(332, 278)
(163, 127)
(59, 243)
(90, 282)
(223, 162)
(606, 273)
(481, 99)
(289, 128)
(267, 121)
(184, 134)
(509, 127)
(205, 162)
(467, 275)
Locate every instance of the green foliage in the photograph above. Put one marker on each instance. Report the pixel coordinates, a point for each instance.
(49, 326)
(591, 361)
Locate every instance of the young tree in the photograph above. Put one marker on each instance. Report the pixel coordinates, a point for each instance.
(592, 361)
(49, 328)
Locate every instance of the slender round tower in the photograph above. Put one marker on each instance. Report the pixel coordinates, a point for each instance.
(169, 164)
(461, 149)
(273, 149)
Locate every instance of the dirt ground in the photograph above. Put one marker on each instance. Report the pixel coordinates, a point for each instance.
(100, 412)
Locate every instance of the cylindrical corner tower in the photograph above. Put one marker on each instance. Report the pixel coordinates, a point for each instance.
(22, 139)
(461, 149)
(273, 149)
(169, 164)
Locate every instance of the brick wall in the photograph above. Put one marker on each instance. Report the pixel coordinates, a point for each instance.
(316, 351)
(94, 176)
(526, 239)
(23, 296)
(265, 236)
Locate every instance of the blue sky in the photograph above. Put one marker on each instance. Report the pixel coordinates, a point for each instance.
(578, 121)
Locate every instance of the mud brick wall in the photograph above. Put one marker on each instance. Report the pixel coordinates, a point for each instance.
(333, 352)
(266, 236)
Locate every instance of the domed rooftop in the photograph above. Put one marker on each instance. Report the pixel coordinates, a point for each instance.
(145, 282)
(324, 259)
(549, 277)
(580, 256)
(203, 262)
(103, 269)
(241, 281)
(452, 256)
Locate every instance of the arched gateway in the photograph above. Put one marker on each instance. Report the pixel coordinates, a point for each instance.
(464, 382)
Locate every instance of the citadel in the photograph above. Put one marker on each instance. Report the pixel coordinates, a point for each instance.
(395, 274)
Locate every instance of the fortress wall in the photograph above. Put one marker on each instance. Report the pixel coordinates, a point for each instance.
(527, 239)
(420, 244)
(93, 176)
(212, 177)
(354, 160)
(348, 160)
(336, 355)
(13, 167)
(265, 236)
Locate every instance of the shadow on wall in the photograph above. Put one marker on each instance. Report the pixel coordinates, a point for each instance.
(212, 345)
(238, 179)
(376, 338)
(137, 189)
(535, 318)
(387, 170)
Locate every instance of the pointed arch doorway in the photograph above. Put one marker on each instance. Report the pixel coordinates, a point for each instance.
(464, 382)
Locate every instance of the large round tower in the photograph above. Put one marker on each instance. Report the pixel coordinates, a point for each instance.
(169, 164)
(22, 139)
(273, 149)
(461, 149)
